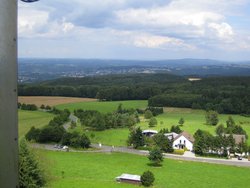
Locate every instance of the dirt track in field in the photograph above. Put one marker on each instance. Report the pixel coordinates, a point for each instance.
(52, 101)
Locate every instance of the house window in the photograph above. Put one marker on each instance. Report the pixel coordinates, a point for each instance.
(184, 141)
(180, 141)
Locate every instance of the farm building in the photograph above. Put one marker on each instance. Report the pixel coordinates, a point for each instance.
(149, 133)
(129, 178)
(171, 136)
(238, 138)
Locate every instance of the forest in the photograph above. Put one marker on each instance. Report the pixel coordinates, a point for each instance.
(230, 95)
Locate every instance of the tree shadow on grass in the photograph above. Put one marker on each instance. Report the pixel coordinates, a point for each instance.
(154, 165)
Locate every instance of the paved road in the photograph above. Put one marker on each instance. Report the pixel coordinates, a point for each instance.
(231, 162)
(71, 118)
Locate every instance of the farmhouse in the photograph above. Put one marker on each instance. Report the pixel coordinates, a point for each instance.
(171, 136)
(129, 178)
(183, 140)
(149, 133)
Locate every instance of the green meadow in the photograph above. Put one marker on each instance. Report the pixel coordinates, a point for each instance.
(73, 170)
(194, 119)
(27, 119)
(103, 107)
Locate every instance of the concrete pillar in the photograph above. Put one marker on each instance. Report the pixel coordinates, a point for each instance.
(8, 95)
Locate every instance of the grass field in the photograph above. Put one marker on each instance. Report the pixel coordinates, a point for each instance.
(194, 119)
(27, 119)
(104, 107)
(116, 137)
(51, 101)
(99, 170)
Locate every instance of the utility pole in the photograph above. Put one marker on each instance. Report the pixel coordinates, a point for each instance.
(8, 95)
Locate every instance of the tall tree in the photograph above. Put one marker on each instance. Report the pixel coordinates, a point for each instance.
(136, 138)
(181, 121)
(152, 122)
(212, 118)
(163, 143)
(155, 156)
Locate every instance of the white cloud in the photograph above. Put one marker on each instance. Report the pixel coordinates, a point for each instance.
(178, 25)
(31, 21)
(165, 17)
(151, 41)
(223, 30)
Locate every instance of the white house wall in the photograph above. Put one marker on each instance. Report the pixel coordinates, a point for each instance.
(189, 145)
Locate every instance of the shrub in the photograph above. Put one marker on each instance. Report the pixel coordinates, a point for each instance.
(33, 134)
(152, 122)
(212, 118)
(179, 151)
(30, 173)
(155, 156)
(75, 140)
(148, 114)
(147, 179)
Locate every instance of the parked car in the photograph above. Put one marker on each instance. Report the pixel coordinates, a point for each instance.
(239, 158)
(65, 147)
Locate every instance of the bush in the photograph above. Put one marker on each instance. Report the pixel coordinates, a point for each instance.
(31, 107)
(155, 156)
(75, 140)
(179, 151)
(147, 179)
(33, 134)
(152, 122)
(176, 129)
(148, 114)
(212, 118)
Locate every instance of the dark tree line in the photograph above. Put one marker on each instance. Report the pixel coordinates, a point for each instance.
(30, 107)
(221, 94)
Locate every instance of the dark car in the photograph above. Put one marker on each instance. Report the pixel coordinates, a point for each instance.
(239, 158)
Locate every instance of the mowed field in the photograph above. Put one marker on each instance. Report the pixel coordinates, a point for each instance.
(51, 101)
(27, 119)
(194, 119)
(104, 107)
(98, 170)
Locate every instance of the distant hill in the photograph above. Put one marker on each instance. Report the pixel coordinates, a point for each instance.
(117, 80)
(35, 70)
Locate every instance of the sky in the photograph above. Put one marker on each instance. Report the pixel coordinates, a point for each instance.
(135, 29)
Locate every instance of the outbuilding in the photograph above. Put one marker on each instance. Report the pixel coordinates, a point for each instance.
(149, 133)
(129, 178)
